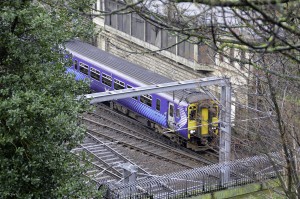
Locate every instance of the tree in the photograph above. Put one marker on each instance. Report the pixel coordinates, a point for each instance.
(38, 120)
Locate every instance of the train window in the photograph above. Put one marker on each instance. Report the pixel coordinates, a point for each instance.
(84, 68)
(95, 74)
(118, 84)
(106, 79)
(75, 64)
(193, 115)
(135, 97)
(146, 99)
(177, 112)
(171, 112)
(158, 104)
(214, 111)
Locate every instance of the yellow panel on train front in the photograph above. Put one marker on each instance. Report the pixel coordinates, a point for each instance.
(192, 114)
(204, 121)
(215, 125)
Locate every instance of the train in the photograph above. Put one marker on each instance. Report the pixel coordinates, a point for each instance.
(188, 117)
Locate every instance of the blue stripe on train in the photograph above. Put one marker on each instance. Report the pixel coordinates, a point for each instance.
(145, 110)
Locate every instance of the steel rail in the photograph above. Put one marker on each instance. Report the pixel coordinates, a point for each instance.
(138, 148)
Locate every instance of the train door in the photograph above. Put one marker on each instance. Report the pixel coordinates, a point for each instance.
(171, 119)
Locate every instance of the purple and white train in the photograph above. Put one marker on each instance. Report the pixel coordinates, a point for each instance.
(187, 117)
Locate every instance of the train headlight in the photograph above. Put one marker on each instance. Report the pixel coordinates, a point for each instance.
(192, 131)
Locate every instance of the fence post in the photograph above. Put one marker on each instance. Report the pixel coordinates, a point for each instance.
(225, 133)
(129, 176)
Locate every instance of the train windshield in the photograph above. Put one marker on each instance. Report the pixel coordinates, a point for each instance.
(192, 115)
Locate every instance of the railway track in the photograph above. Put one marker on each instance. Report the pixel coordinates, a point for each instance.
(106, 162)
(111, 116)
(136, 140)
(158, 157)
(142, 146)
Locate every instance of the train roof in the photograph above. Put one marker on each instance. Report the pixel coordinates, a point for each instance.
(121, 65)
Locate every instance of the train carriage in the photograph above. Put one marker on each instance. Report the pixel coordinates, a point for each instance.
(187, 117)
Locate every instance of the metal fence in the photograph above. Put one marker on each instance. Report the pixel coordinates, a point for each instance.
(200, 180)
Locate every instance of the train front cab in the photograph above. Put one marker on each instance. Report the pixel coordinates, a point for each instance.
(203, 125)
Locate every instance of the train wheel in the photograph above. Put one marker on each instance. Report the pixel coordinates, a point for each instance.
(149, 124)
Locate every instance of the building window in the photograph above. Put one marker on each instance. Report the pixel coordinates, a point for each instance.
(75, 64)
(126, 23)
(231, 56)
(84, 68)
(137, 26)
(146, 99)
(106, 79)
(98, 5)
(169, 41)
(101, 5)
(204, 54)
(111, 20)
(243, 59)
(186, 50)
(135, 97)
(123, 21)
(221, 57)
(120, 20)
(158, 104)
(153, 34)
(118, 84)
(95, 74)
(95, 6)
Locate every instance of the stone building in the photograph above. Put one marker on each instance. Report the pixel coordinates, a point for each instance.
(131, 37)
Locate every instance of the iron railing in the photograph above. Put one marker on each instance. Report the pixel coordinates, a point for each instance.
(200, 180)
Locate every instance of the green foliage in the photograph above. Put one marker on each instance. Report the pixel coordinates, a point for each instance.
(38, 112)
